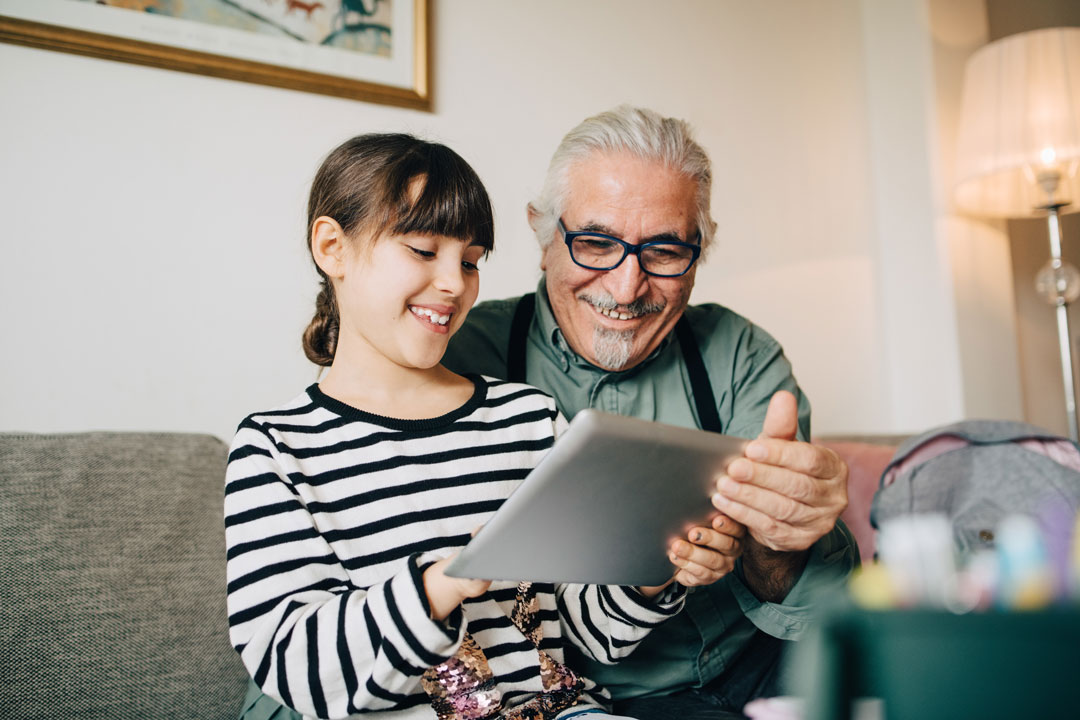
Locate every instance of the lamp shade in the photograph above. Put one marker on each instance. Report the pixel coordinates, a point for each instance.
(1020, 116)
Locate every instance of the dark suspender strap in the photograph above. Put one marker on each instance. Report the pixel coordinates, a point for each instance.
(704, 399)
(519, 331)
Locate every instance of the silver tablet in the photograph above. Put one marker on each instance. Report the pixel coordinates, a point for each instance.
(603, 505)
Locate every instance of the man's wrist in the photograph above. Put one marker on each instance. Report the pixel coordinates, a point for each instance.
(770, 574)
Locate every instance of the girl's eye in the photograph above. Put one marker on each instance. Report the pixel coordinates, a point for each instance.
(422, 253)
(470, 267)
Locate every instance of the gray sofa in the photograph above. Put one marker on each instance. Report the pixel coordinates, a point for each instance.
(112, 574)
(112, 578)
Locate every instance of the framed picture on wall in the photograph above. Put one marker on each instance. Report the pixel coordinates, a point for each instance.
(374, 50)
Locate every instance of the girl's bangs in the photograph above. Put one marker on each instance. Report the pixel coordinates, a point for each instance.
(452, 203)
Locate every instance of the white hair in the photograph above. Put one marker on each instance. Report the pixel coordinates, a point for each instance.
(646, 134)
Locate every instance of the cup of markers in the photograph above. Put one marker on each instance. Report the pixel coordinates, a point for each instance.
(1029, 563)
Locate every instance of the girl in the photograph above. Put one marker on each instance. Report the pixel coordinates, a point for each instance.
(343, 505)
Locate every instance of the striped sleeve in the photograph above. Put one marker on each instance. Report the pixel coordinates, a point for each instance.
(559, 424)
(608, 621)
(306, 634)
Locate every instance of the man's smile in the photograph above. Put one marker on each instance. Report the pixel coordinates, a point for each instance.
(614, 314)
(613, 311)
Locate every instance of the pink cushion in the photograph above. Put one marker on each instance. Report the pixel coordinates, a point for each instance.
(865, 463)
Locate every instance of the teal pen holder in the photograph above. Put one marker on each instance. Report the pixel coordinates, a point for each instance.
(933, 665)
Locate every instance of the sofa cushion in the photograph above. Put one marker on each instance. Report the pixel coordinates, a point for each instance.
(112, 575)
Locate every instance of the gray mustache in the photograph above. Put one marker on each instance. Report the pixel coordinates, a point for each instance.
(638, 307)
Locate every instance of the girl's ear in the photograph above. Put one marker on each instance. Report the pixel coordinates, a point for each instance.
(328, 246)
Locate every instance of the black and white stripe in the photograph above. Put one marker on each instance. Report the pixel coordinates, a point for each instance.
(332, 513)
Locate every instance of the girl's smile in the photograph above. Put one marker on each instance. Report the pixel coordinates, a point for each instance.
(434, 317)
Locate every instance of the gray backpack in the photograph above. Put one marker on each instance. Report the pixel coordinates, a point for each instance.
(978, 471)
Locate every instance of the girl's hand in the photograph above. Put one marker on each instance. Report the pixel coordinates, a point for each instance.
(445, 593)
(705, 556)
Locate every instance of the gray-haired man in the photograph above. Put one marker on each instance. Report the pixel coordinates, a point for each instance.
(622, 219)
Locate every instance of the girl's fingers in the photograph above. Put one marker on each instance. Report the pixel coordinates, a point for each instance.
(692, 574)
(728, 526)
(703, 561)
(702, 542)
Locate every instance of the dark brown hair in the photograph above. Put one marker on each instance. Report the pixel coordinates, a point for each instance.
(364, 184)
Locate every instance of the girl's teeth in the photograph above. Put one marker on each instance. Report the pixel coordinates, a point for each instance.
(431, 315)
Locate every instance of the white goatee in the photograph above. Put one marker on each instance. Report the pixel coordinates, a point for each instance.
(612, 348)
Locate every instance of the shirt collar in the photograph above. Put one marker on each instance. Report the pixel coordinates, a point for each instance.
(556, 344)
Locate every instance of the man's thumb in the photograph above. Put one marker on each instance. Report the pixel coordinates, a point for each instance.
(782, 417)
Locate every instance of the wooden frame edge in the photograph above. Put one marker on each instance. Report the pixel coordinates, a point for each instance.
(109, 47)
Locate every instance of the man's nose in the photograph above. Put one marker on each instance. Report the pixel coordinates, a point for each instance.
(627, 282)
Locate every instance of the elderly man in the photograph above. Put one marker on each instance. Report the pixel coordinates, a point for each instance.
(622, 221)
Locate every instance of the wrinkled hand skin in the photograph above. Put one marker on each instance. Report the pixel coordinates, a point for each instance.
(788, 494)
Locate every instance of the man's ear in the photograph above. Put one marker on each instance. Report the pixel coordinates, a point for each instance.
(534, 218)
(328, 246)
(534, 215)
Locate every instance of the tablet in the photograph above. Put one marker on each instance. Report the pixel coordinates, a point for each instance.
(603, 505)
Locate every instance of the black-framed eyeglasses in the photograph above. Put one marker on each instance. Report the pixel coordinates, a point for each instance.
(660, 258)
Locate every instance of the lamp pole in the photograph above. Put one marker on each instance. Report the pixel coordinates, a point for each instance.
(1064, 339)
(1054, 283)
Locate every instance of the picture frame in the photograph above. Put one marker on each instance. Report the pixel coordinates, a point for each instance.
(371, 50)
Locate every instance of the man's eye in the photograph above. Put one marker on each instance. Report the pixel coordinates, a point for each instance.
(598, 244)
(422, 253)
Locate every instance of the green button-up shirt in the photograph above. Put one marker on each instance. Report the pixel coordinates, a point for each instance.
(745, 366)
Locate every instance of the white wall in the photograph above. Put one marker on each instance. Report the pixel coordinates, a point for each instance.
(920, 353)
(154, 274)
(978, 250)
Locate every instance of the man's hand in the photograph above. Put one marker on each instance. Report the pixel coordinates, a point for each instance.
(787, 493)
(706, 555)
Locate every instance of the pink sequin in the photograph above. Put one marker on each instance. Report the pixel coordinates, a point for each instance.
(463, 687)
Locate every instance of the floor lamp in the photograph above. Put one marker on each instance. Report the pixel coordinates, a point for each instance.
(1019, 153)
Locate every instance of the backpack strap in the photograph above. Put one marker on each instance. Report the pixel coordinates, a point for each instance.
(519, 331)
(700, 386)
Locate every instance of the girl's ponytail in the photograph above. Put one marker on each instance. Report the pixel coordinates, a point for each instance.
(321, 335)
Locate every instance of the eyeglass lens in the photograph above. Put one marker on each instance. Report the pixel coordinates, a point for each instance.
(660, 258)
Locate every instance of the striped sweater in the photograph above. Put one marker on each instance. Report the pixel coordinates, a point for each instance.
(331, 516)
